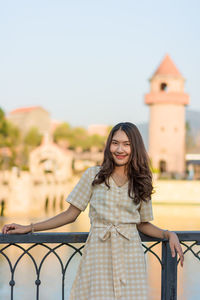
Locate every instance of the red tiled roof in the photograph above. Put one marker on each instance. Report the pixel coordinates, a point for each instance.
(24, 109)
(167, 67)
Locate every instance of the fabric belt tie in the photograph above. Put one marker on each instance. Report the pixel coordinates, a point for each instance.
(114, 232)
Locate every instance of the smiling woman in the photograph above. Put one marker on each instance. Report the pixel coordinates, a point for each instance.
(119, 191)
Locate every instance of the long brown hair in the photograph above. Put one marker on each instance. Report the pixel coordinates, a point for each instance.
(138, 171)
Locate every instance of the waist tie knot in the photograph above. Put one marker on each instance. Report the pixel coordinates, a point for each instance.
(114, 232)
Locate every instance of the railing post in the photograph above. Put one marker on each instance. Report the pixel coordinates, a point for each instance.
(169, 274)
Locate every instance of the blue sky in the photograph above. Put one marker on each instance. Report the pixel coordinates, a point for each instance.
(89, 61)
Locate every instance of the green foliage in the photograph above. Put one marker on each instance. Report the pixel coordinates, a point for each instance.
(78, 137)
(9, 134)
(2, 121)
(62, 132)
(96, 141)
(13, 135)
(3, 129)
(33, 138)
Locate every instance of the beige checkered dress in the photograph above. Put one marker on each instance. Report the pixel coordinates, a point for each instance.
(113, 264)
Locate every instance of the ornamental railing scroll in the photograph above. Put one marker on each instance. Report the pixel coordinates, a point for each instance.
(54, 241)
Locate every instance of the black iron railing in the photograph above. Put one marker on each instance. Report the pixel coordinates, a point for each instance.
(52, 242)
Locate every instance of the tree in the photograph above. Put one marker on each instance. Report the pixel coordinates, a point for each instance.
(97, 141)
(9, 134)
(3, 128)
(33, 138)
(77, 137)
(13, 135)
(62, 132)
(9, 139)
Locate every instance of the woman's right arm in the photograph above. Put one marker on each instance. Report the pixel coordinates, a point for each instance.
(66, 217)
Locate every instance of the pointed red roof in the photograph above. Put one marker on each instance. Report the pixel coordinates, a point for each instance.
(167, 67)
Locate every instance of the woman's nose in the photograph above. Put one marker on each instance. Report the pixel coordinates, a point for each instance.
(120, 148)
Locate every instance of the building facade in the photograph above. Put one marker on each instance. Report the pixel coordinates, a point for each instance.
(26, 118)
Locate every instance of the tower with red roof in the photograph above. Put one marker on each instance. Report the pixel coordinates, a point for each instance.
(167, 101)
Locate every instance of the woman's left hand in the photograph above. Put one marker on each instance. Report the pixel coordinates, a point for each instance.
(175, 246)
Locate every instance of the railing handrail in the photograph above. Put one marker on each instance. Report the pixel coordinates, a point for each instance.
(80, 237)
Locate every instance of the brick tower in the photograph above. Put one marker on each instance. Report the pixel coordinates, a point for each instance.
(167, 102)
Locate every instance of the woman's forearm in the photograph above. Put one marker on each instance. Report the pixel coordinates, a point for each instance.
(57, 221)
(61, 219)
(152, 230)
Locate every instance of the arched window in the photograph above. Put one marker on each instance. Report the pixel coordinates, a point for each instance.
(162, 166)
(163, 87)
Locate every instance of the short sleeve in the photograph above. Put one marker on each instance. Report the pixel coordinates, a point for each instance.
(81, 194)
(146, 212)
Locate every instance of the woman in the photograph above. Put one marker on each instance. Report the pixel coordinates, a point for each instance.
(119, 192)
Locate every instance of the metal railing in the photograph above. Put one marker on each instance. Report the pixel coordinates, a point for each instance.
(189, 240)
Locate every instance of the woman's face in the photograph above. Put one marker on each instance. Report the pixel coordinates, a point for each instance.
(120, 148)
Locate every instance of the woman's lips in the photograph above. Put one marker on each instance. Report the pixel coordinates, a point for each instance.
(120, 156)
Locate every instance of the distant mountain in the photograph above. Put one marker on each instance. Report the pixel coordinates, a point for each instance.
(192, 117)
(144, 130)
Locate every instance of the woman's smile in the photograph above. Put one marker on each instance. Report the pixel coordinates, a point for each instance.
(120, 156)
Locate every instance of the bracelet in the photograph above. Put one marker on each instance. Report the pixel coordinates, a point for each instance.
(164, 234)
(32, 228)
